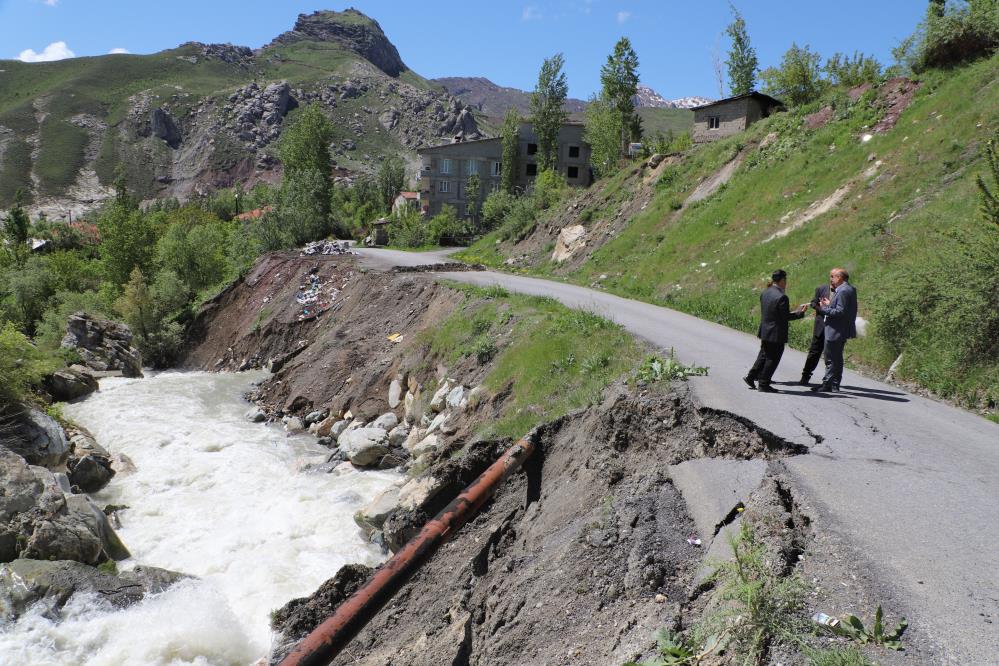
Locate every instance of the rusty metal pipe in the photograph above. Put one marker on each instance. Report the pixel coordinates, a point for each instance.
(327, 640)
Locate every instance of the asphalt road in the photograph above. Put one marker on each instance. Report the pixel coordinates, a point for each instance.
(911, 484)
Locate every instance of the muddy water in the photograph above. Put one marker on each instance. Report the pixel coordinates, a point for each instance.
(214, 496)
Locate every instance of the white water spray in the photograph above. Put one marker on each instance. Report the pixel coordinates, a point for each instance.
(213, 496)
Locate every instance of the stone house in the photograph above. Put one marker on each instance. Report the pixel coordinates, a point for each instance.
(445, 169)
(732, 115)
(405, 200)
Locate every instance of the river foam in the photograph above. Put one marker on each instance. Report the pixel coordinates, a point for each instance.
(213, 496)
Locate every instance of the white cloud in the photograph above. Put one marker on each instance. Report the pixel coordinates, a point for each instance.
(51, 3)
(623, 16)
(118, 49)
(530, 13)
(54, 51)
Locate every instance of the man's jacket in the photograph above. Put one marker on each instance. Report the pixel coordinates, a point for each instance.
(775, 311)
(841, 315)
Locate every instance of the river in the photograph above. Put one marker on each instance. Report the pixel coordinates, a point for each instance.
(214, 496)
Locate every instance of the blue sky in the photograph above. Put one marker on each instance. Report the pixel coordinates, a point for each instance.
(503, 41)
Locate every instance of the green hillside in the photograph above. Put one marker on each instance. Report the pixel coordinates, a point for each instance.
(906, 224)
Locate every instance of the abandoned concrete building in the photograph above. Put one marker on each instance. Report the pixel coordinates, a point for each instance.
(732, 115)
(445, 169)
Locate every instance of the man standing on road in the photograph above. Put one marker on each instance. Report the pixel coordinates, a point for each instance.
(840, 316)
(818, 336)
(775, 313)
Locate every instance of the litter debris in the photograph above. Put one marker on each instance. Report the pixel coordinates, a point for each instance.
(314, 296)
(694, 540)
(395, 337)
(326, 247)
(825, 620)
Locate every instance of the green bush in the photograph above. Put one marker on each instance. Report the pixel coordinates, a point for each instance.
(21, 364)
(152, 313)
(956, 32)
(495, 208)
(445, 227)
(849, 71)
(797, 80)
(548, 189)
(408, 229)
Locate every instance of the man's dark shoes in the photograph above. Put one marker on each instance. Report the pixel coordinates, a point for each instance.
(834, 388)
(823, 388)
(767, 388)
(751, 383)
(805, 380)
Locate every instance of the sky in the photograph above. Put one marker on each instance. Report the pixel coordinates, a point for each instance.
(503, 41)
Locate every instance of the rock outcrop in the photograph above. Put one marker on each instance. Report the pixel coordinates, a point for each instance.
(102, 344)
(350, 29)
(36, 437)
(40, 520)
(26, 582)
(163, 126)
(70, 383)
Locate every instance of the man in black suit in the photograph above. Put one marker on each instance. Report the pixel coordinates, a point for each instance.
(818, 335)
(775, 313)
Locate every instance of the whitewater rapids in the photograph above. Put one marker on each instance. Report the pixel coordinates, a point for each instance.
(213, 496)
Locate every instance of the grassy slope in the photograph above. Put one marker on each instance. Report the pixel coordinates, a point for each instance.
(711, 260)
(555, 359)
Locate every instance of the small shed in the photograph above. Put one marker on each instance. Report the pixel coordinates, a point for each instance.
(732, 115)
(379, 231)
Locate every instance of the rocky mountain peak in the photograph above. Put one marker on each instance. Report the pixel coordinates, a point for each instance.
(351, 29)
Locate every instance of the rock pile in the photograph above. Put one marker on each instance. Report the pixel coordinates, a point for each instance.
(103, 345)
(325, 247)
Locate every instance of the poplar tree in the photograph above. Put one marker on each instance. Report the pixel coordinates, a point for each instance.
(547, 110)
(742, 62)
(619, 80)
(510, 160)
(16, 227)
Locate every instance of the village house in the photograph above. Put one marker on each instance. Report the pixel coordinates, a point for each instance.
(405, 200)
(732, 115)
(445, 169)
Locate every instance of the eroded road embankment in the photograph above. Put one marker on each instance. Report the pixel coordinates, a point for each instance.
(907, 484)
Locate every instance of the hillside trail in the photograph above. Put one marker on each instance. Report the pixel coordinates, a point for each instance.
(908, 484)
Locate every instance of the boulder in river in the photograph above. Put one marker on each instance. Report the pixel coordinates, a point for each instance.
(89, 465)
(36, 437)
(364, 446)
(38, 520)
(70, 383)
(24, 582)
(103, 345)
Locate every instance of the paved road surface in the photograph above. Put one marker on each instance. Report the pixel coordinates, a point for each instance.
(911, 483)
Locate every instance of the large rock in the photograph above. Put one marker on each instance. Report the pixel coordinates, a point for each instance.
(103, 345)
(439, 400)
(364, 446)
(413, 406)
(36, 437)
(297, 618)
(371, 518)
(570, 239)
(25, 582)
(38, 520)
(386, 421)
(394, 393)
(89, 464)
(69, 384)
(163, 126)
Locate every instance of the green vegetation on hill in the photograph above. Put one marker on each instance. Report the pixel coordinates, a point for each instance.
(551, 359)
(903, 215)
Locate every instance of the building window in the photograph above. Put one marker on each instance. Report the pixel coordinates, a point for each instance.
(494, 186)
(714, 122)
(445, 167)
(473, 167)
(573, 151)
(444, 186)
(497, 168)
(532, 170)
(532, 148)
(572, 172)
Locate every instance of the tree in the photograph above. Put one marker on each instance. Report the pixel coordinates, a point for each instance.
(391, 180)
(619, 83)
(128, 239)
(16, 228)
(603, 133)
(742, 62)
(473, 191)
(849, 71)
(305, 154)
(510, 160)
(547, 110)
(797, 80)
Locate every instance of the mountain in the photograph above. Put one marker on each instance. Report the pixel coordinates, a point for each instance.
(649, 98)
(204, 116)
(494, 100)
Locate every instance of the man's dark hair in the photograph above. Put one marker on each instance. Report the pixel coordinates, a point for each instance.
(778, 275)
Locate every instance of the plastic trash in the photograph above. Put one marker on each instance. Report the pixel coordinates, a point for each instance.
(694, 540)
(825, 620)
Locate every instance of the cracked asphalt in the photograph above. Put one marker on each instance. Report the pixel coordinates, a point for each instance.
(910, 485)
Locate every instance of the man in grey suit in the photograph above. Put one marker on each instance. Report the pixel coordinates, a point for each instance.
(775, 313)
(840, 315)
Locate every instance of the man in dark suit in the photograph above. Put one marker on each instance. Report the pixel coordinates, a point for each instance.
(775, 313)
(840, 315)
(818, 336)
